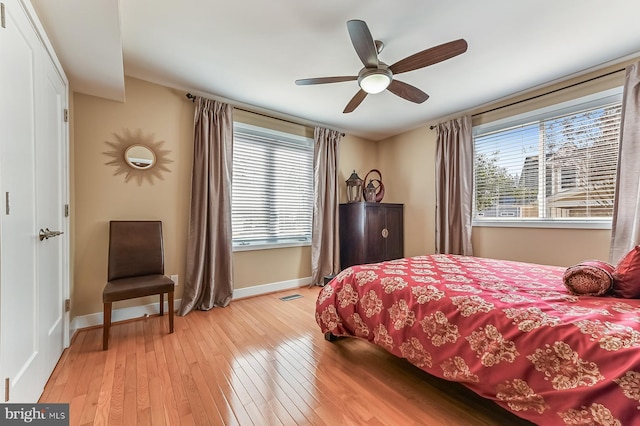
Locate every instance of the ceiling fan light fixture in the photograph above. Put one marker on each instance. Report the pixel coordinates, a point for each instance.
(375, 81)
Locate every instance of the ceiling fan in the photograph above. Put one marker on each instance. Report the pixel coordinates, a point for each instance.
(377, 76)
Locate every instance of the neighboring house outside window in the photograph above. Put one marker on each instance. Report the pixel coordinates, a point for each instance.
(553, 166)
(272, 188)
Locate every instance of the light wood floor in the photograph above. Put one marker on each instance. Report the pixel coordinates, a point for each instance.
(259, 361)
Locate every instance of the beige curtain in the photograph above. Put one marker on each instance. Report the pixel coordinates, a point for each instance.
(454, 186)
(625, 231)
(209, 274)
(325, 248)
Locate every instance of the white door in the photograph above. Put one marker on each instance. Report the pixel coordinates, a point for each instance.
(32, 192)
(51, 183)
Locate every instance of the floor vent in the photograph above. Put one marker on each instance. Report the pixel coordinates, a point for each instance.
(291, 297)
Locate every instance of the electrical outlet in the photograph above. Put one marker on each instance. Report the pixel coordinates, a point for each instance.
(174, 278)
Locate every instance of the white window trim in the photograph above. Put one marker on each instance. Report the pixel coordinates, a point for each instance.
(593, 100)
(257, 130)
(239, 246)
(269, 246)
(568, 107)
(563, 224)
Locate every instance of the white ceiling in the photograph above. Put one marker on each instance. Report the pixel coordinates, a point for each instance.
(250, 52)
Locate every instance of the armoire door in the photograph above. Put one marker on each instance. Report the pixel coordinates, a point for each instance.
(385, 232)
(394, 236)
(376, 247)
(33, 182)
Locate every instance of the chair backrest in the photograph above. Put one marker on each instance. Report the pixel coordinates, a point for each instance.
(135, 249)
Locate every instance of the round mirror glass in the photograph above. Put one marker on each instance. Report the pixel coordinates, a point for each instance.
(140, 157)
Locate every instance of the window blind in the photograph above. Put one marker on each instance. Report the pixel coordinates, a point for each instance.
(559, 167)
(272, 190)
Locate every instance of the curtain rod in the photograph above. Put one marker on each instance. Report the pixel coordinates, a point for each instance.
(193, 99)
(544, 94)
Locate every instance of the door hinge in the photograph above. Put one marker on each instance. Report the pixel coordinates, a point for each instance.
(6, 389)
(66, 210)
(3, 23)
(67, 305)
(66, 115)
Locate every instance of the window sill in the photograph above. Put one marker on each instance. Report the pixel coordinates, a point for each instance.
(569, 224)
(270, 246)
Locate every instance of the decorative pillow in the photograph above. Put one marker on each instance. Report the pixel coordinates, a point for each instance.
(626, 277)
(589, 278)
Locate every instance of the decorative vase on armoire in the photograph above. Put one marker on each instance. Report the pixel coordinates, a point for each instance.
(370, 233)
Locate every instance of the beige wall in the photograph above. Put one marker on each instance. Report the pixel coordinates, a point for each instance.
(561, 247)
(406, 162)
(409, 160)
(356, 154)
(99, 196)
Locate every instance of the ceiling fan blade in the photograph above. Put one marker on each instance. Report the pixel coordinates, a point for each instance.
(363, 43)
(355, 101)
(407, 91)
(430, 56)
(324, 80)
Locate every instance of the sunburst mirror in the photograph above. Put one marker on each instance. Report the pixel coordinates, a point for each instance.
(138, 156)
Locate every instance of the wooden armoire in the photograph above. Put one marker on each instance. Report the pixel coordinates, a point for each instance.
(370, 233)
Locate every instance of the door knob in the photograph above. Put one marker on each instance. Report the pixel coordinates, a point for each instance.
(45, 234)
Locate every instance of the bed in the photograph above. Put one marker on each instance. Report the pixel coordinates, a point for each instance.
(509, 331)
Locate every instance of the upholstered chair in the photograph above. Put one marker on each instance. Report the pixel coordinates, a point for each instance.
(136, 268)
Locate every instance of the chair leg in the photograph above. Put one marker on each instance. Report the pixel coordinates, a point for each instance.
(106, 326)
(170, 297)
(161, 304)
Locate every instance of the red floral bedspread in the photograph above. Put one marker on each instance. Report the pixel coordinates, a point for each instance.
(509, 331)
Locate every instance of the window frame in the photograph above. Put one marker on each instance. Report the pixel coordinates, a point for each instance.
(266, 132)
(594, 100)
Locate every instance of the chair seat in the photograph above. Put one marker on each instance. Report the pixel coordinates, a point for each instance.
(131, 287)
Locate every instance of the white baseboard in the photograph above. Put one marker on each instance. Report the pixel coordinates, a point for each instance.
(122, 314)
(241, 293)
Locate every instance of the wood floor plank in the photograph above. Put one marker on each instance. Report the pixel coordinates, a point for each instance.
(116, 402)
(215, 379)
(260, 361)
(143, 407)
(175, 362)
(104, 396)
(169, 407)
(94, 382)
(155, 399)
(233, 390)
(202, 405)
(156, 406)
(74, 415)
(263, 355)
(129, 408)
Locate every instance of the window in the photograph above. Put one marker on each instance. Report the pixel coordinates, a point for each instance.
(556, 165)
(272, 190)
